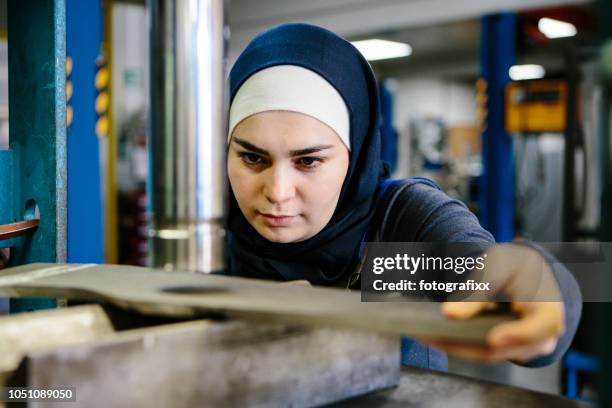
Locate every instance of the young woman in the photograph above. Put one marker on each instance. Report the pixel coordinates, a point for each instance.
(308, 188)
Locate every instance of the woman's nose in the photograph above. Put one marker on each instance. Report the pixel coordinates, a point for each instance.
(278, 186)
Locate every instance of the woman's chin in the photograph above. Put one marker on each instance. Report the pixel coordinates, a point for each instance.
(280, 235)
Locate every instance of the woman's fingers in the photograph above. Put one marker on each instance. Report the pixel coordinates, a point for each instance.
(519, 274)
(491, 354)
(538, 322)
(470, 352)
(465, 310)
(543, 348)
(532, 335)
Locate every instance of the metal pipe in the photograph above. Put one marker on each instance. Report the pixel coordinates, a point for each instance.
(187, 182)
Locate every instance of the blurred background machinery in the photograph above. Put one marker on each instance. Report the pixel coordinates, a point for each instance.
(504, 103)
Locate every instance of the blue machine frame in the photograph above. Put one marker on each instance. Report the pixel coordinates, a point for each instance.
(497, 55)
(83, 43)
(36, 160)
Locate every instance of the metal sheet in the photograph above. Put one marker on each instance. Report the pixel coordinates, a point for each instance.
(180, 294)
(28, 332)
(229, 364)
(425, 388)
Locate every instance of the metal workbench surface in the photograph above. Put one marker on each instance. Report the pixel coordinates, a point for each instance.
(426, 388)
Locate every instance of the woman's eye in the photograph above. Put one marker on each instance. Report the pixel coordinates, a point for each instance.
(309, 162)
(251, 158)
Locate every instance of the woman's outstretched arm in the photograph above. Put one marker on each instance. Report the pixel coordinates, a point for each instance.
(544, 330)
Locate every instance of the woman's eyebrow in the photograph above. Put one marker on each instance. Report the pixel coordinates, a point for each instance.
(292, 153)
(309, 150)
(250, 146)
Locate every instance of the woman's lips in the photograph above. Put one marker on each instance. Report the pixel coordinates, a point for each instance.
(276, 221)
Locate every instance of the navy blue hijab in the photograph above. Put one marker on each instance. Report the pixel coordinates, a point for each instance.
(328, 257)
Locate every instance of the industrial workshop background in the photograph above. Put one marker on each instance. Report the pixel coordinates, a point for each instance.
(504, 103)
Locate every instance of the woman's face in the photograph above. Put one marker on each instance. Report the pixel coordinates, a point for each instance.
(286, 170)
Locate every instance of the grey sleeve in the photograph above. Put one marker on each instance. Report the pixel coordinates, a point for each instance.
(424, 213)
(572, 300)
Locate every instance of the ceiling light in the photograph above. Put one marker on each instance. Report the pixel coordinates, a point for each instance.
(374, 49)
(529, 71)
(556, 29)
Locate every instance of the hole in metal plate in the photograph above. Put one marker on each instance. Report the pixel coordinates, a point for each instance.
(32, 212)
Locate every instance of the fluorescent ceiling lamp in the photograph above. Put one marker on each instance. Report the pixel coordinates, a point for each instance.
(374, 49)
(556, 29)
(529, 71)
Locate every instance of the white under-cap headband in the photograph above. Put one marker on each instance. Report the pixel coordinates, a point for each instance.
(291, 88)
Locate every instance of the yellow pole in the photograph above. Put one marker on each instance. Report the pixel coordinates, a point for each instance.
(112, 210)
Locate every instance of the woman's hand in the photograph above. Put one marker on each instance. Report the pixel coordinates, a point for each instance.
(533, 334)
(521, 274)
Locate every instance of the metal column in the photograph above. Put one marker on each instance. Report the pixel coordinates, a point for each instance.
(497, 55)
(605, 337)
(37, 135)
(187, 134)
